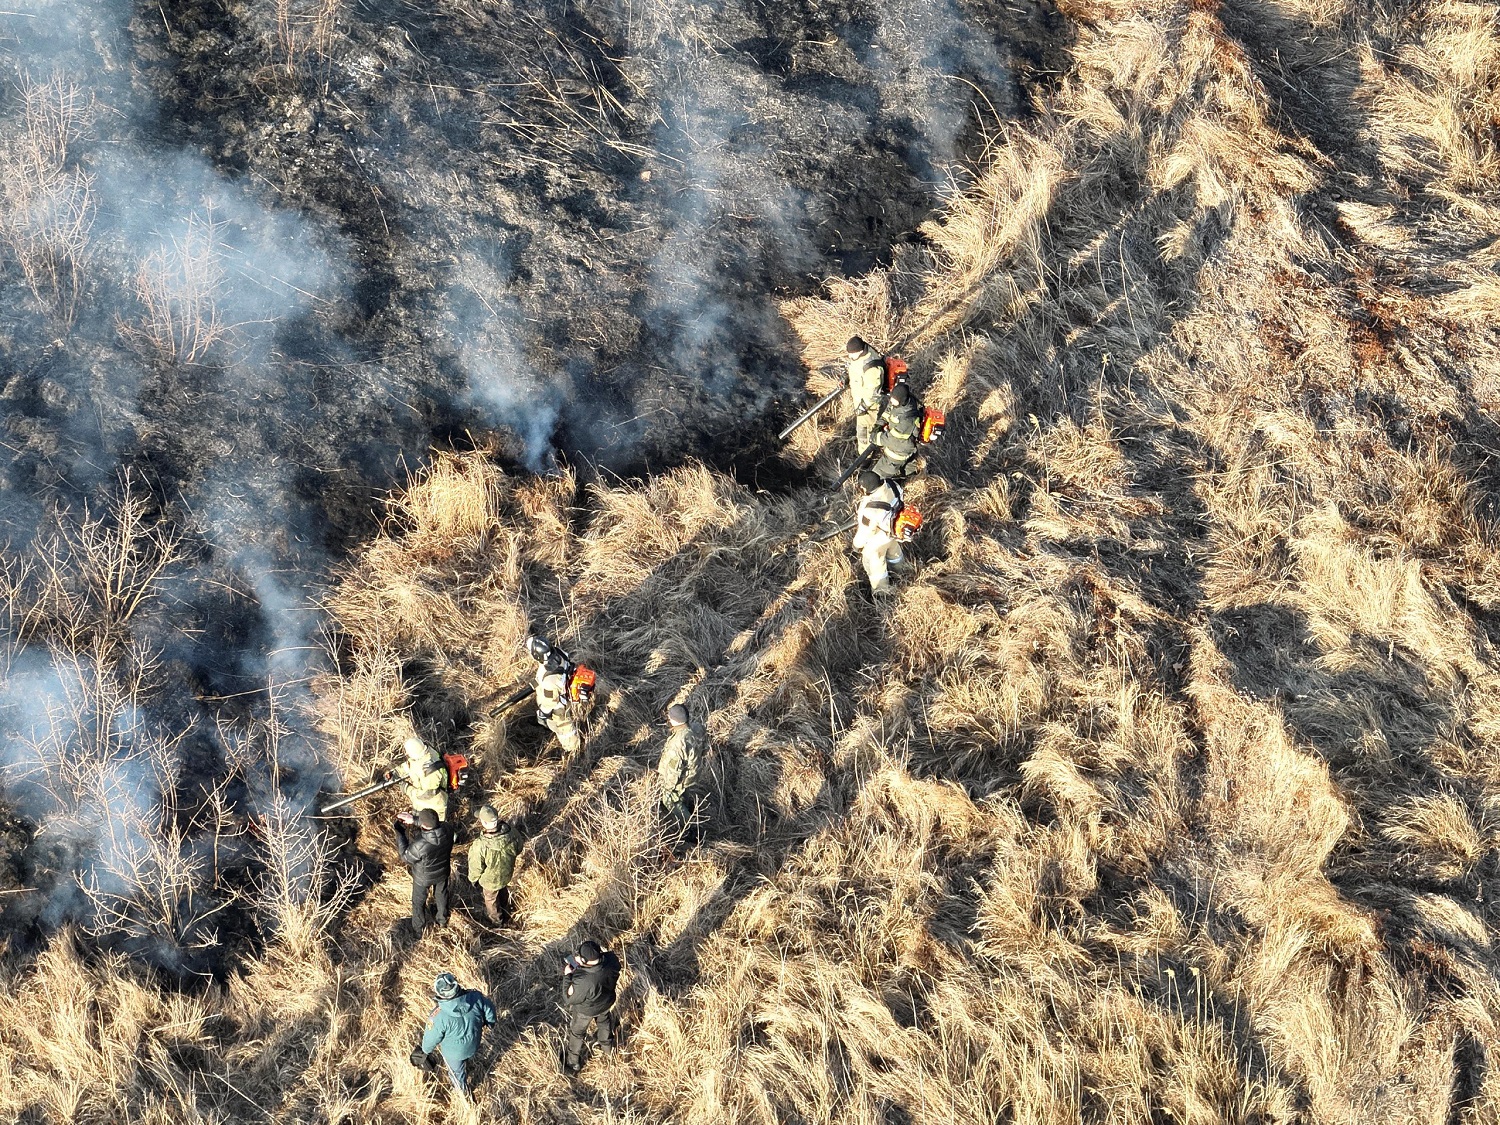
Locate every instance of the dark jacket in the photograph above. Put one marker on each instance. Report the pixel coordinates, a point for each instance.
(898, 437)
(426, 853)
(455, 1025)
(590, 989)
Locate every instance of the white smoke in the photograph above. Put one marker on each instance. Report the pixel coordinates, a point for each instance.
(183, 268)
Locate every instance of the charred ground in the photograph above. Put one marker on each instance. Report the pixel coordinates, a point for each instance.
(640, 182)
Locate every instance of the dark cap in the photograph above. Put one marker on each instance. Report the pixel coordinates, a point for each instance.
(445, 987)
(855, 345)
(900, 394)
(677, 715)
(427, 819)
(869, 480)
(590, 951)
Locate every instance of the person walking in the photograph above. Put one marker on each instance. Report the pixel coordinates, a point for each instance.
(878, 534)
(866, 370)
(492, 863)
(425, 845)
(590, 977)
(555, 669)
(454, 1028)
(896, 433)
(679, 769)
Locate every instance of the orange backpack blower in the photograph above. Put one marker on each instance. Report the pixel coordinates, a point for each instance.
(581, 684)
(895, 371)
(908, 523)
(458, 769)
(933, 425)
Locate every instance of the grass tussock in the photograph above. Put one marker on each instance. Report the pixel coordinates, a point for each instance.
(1165, 790)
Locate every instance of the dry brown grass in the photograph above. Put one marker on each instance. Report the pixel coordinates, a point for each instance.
(1166, 791)
(299, 34)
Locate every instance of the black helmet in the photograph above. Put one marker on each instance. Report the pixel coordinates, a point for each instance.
(900, 394)
(677, 715)
(590, 951)
(870, 480)
(445, 987)
(855, 345)
(537, 648)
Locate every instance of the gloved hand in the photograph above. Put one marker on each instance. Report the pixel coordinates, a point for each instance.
(419, 1058)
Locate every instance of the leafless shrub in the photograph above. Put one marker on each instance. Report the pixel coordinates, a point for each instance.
(49, 207)
(110, 778)
(178, 287)
(300, 890)
(86, 578)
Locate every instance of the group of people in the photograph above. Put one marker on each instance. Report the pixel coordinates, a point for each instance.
(455, 1026)
(890, 426)
(424, 843)
(425, 838)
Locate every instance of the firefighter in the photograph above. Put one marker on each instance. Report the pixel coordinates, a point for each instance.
(678, 770)
(899, 422)
(591, 977)
(553, 706)
(875, 535)
(426, 777)
(454, 1028)
(425, 844)
(866, 370)
(492, 863)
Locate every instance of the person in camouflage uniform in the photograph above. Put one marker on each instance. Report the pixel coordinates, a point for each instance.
(679, 770)
(492, 863)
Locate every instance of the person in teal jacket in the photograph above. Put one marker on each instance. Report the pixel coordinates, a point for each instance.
(454, 1027)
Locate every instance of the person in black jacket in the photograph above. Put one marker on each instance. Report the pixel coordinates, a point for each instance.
(590, 977)
(427, 851)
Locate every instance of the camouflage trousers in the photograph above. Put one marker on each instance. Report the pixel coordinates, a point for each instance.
(683, 813)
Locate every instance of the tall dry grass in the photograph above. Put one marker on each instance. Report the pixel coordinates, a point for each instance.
(298, 34)
(1164, 791)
